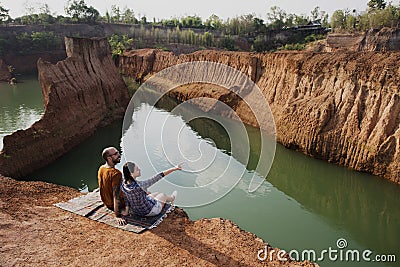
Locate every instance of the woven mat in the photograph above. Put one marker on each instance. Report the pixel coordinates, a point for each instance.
(91, 206)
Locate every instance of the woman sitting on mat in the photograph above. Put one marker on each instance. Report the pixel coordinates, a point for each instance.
(137, 199)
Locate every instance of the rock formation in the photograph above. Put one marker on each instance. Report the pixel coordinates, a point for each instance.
(386, 39)
(52, 236)
(81, 93)
(342, 107)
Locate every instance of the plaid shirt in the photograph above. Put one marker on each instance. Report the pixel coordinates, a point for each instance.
(136, 197)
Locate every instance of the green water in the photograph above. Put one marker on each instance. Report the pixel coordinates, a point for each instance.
(20, 105)
(304, 204)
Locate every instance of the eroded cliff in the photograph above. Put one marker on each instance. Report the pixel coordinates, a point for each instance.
(342, 107)
(81, 93)
(383, 40)
(52, 236)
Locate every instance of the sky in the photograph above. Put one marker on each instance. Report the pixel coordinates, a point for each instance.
(165, 9)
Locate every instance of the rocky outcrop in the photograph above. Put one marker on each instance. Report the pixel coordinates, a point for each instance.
(81, 94)
(52, 236)
(386, 39)
(342, 107)
(5, 74)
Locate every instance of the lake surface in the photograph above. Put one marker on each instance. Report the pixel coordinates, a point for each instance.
(20, 105)
(304, 204)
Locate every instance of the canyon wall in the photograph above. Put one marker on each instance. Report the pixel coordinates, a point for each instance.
(343, 107)
(81, 93)
(383, 40)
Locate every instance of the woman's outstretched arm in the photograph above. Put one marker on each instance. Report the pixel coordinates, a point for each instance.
(177, 168)
(149, 182)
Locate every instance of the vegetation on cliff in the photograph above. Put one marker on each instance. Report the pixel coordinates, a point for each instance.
(245, 32)
(378, 15)
(341, 106)
(281, 30)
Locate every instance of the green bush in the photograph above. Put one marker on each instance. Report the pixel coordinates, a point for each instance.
(227, 42)
(312, 38)
(296, 46)
(36, 42)
(119, 43)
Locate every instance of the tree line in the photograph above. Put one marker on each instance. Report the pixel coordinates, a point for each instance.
(78, 11)
(378, 15)
(211, 32)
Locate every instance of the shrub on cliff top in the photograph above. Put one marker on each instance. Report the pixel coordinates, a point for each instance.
(119, 43)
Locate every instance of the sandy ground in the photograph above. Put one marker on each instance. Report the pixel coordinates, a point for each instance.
(34, 232)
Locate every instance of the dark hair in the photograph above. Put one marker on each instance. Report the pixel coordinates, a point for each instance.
(128, 168)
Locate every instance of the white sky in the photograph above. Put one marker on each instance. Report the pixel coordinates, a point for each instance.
(164, 9)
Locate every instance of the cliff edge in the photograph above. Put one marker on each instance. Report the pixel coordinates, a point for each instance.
(343, 107)
(51, 236)
(81, 93)
(373, 40)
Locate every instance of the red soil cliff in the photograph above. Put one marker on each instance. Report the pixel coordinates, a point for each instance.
(342, 107)
(81, 93)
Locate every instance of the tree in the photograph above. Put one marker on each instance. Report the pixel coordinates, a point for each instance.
(315, 13)
(80, 12)
(233, 26)
(36, 13)
(388, 17)
(247, 24)
(119, 43)
(108, 17)
(143, 20)
(191, 22)
(91, 14)
(351, 22)
(4, 15)
(377, 4)
(45, 40)
(260, 44)
(44, 9)
(128, 16)
(227, 43)
(115, 13)
(338, 20)
(207, 39)
(213, 22)
(259, 25)
(277, 18)
(300, 20)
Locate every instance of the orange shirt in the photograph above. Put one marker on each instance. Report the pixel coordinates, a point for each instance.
(108, 178)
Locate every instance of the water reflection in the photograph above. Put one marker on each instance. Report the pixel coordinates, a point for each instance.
(357, 206)
(364, 206)
(20, 105)
(305, 203)
(158, 140)
(78, 168)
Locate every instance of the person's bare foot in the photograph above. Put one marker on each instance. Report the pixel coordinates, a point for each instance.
(125, 212)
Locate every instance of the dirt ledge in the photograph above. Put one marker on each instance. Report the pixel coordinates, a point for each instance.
(34, 232)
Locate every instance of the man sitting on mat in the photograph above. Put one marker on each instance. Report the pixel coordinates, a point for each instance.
(109, 183)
